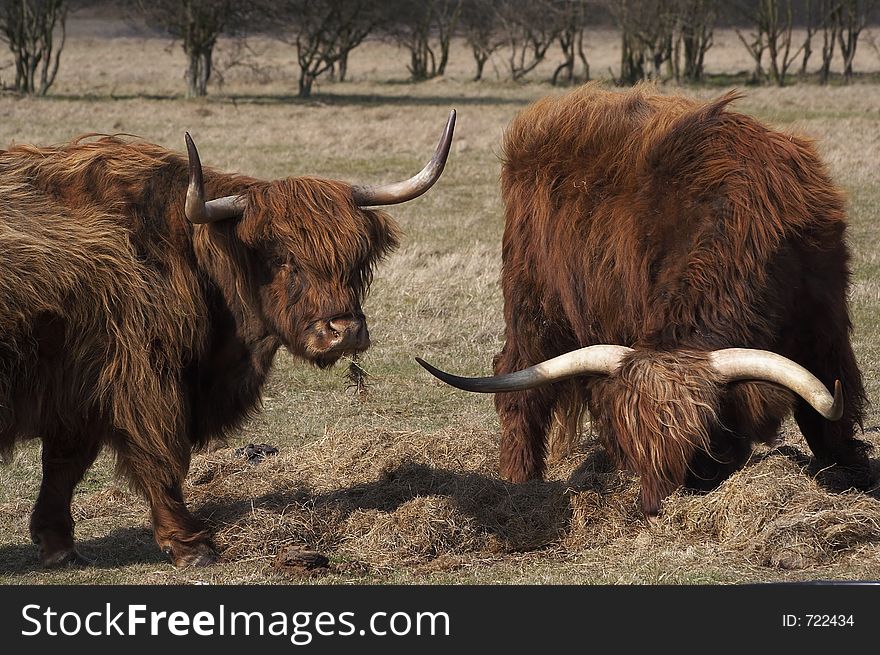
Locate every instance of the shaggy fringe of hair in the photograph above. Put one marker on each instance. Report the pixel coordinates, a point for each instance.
(565, 425)
(654, 413)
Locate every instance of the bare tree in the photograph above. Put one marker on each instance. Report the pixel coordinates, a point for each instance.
(830, 27)
(755, 44)
(529, 28)
(324, 32)
(35, 32)
(425, 28)
(480, 25)
(648, 33)
(697, 29)
(852, 17)
(351, 34)
(573, 16)
(772, 22)
(197, 24)
(812, 23)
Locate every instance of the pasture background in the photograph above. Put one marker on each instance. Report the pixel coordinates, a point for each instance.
(401, 486)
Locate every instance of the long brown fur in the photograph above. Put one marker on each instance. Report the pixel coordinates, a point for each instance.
(673, 226)
(124, 325)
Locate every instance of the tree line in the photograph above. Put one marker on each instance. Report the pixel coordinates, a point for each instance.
(659, 39)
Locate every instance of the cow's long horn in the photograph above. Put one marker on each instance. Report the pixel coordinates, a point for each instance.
(598, 360)
(396, 192)
(199, 211)
(734, 364)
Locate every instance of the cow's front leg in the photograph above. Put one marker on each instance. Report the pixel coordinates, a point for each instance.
(158, 474)
(66, 458)
(525, 420)
(177, 531)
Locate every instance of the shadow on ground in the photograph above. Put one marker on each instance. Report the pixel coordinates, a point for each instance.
(119, 548)
(514, 517)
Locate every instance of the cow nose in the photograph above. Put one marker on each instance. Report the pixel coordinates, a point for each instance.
(349, 332)
(345, 324)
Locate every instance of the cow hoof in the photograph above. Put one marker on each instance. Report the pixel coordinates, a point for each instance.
(194, 555)
(65, 558)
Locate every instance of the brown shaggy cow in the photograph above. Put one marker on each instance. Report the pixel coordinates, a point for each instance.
(680, 233)
(135, 314)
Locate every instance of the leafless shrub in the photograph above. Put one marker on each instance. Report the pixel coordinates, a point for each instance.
(197, 24)
(35, 32)
(324, 33)
(425, 29)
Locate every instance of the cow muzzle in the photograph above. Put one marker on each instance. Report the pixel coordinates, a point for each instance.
(348, 333)
(340, 335)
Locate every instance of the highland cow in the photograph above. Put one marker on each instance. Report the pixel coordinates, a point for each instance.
(139, 316)
(684, 270)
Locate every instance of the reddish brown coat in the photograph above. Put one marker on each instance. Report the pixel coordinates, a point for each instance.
(674, 226)
(124, 325)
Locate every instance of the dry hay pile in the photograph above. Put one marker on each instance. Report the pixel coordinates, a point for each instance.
(775, 514)
(381, 501)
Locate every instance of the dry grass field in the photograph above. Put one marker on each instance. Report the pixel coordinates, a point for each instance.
(400, 485)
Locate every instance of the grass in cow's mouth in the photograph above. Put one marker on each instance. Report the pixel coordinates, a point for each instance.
(356, 376)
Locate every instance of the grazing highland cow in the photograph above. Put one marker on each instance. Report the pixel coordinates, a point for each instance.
(708, 251)
(135, 314)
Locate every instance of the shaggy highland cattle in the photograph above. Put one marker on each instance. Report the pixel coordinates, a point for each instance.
(137, 315)
(680, 271)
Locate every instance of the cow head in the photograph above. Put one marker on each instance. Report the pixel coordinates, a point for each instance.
(313, 244)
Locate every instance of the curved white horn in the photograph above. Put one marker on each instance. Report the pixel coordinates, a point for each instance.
(731, 364)
(397, 192)
(601, 359)
(734, 364)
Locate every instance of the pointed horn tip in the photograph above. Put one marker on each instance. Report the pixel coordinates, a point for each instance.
(450, 126)
(835, 412)
(446, 378)
(425, 365)
(192, 153)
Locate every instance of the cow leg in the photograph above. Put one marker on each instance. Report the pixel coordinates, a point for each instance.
(177, 531)
(525, 418)
(834, 442)
(159, 477)
(65, 461)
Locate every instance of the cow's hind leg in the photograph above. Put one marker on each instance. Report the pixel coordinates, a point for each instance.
(159, 476)
(835, 446)
(834, 442)
(65, 461)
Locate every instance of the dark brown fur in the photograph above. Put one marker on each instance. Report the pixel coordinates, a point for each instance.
(675, 227)
(124, 325)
